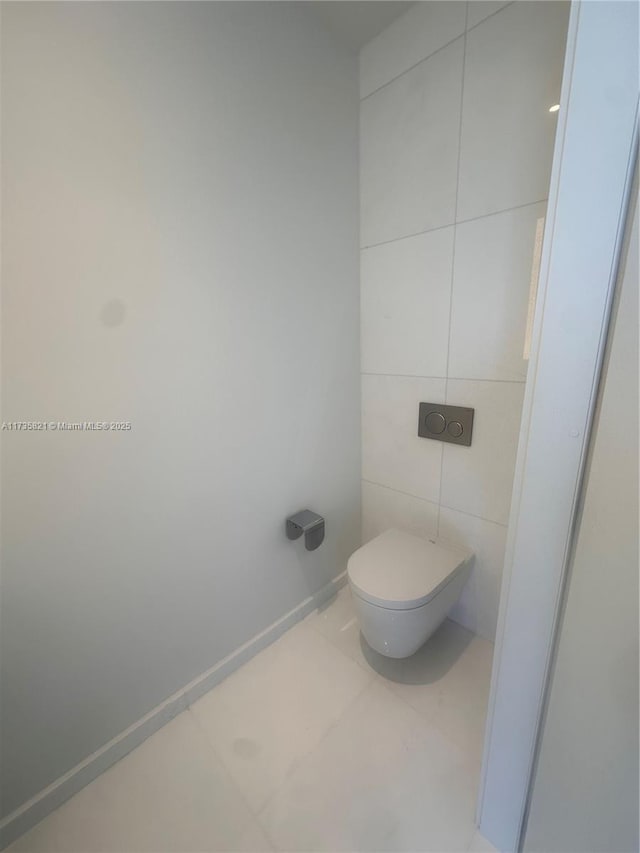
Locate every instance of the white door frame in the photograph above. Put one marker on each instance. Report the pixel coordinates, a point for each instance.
(590, 184)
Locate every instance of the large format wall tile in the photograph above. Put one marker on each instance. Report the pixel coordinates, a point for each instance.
(383, 508)
(477, 608)
(392, 453)
(490, 295)
(409, 150)
(405, 296)
(513, 72)
(418, 322)
(478, 479)
(423, 29)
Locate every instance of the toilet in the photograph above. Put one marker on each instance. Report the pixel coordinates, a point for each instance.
(403, 587)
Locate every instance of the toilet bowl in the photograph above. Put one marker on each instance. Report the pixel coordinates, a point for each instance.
(403, 587)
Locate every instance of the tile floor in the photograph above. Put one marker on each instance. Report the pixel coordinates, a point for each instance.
(317, 743)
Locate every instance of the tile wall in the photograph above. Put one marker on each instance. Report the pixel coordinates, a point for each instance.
(456, 143)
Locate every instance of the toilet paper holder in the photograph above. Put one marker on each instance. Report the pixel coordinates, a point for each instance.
(309, 523)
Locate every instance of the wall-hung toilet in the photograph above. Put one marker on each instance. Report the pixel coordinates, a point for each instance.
(403, 586)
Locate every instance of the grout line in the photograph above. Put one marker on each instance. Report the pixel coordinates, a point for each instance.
(413, 67)
(473, 515)
(453, 249)
(399, 491)
(433, 503)
(403, 375)
(428, 716)
(330, 728)
(408, 236)
(439, 378)
(455, 215)
(256, 812)
(220, 758)
(452, 224)
(492, 15)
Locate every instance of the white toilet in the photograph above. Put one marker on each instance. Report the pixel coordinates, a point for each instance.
(403, 586)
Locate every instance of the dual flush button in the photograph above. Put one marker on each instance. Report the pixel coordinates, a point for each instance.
(436, 423)
(445, 423)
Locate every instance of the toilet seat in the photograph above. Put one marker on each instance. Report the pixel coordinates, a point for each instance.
(400, 571)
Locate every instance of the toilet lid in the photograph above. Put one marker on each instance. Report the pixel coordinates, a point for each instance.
(399, 570)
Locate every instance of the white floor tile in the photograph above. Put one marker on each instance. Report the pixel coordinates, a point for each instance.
(274, 710)
(392, 453)
(382, 779)
(170, 794)
(334, 747)
(405, 289)
(448, 682)
(409, 133)
(383, 508)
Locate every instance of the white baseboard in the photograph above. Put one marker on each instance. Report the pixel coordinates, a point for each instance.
(54, 795)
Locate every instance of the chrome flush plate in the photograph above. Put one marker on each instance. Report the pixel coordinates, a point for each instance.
(445, 423)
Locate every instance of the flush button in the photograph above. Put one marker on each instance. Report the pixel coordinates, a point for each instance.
(455, 429)
(435, 422)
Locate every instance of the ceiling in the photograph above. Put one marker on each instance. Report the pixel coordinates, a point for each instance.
(356, 23)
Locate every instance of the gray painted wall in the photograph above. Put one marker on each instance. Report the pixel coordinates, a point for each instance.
(179, 251)
(585, 794)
